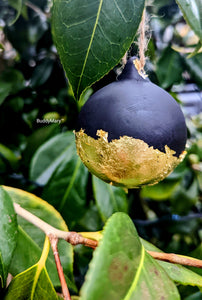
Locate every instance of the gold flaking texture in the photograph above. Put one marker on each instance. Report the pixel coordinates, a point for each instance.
(126, 162)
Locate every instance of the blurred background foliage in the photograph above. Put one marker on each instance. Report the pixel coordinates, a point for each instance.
(38, 115)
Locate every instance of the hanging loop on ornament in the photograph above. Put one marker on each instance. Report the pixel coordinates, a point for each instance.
(142, 46)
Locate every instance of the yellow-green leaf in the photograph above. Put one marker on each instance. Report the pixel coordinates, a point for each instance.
(8, 234)
(30, 237)
(34, 283)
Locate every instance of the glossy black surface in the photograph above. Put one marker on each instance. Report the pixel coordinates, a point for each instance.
(137, 108)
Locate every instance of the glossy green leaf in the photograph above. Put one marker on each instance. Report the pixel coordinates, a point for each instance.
(66, 189)
(33, 283)
(49, 156)
(23, 286)
(27, 254)
(5, 88)
(192, 12)
(32, 237)
(18, 6)
(184, 198)
(195, 296)
(109, 199)
(122, 269)
(196, 50)
(161, 191)
(7, 158)
(92, 36)
(194, 66)
(178, 273)
(90, 220)
(8, 236)
(14, 78)
(197, 253)
(11, 81)
(169, 68)
(36, 139)
(42, 72)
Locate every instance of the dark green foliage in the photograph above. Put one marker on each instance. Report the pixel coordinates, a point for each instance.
(37, 152)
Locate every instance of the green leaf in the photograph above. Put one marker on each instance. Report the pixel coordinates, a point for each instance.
(27, 253)
(194, 66)
(161, 191)
(14, 78)
(36, 139)
(195, 296)
(92, 36)
(192, 12)
(5, 88)
(169, 68)
(176, 272)
(49, 156)
(42, 72)
(57, 165)
(7, 158)
(17, 4)
(109, 199)
(23, 286)
(33, 283)
(8, 236)
(184, 198)
(66, 189)
(196, 50)
(91, 219)
(197, 253)
(122, 269)
(30, 238)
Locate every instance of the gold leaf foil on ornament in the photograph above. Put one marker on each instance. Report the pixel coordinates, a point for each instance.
(126, 162)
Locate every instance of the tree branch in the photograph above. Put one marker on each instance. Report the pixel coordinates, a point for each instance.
(176, 259)
(65, 290)
(37, 9)
(75, 238)
(71, 237)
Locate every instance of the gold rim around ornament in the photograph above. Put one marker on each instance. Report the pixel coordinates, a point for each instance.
(126, 162)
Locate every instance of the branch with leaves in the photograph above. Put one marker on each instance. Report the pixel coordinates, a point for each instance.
(120, 250)
(75, 238)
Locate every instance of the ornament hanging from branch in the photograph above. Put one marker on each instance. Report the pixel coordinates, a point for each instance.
(131, 132)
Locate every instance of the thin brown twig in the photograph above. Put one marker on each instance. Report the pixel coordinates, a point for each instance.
(176, 259)
(71, 237)
(65, 291)
(37, 9)
(75, 238)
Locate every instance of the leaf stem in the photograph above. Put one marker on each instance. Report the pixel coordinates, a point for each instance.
(75, 238)
(65, 291)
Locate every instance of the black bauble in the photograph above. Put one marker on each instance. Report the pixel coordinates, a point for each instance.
(131, 132)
